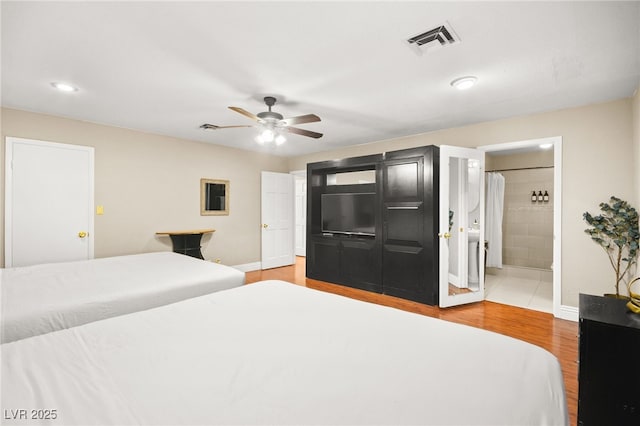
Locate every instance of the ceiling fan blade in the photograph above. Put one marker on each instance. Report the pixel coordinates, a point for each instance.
(303, 132)
(246, 113)
(207, 126)
(309, 118)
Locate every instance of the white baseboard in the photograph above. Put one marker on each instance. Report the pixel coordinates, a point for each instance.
(453, 279)
(569, 313)
(248, 267)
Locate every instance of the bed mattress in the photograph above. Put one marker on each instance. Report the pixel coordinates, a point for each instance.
(39, 299)
(277, 353)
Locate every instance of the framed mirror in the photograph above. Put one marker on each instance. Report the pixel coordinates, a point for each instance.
(462, 226)
(214, 197)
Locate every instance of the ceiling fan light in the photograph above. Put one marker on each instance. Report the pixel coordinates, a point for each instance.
(267, 135)
(464, 83)
(259, 140)
(280, 139)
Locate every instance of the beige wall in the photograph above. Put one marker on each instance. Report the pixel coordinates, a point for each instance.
(515, 161)
(149, 183)
(597, 162)
(636, 143)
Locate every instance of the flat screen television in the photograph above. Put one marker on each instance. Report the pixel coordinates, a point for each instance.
(349, 213)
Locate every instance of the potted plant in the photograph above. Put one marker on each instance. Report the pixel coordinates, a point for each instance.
(634, 298)
(616, 231)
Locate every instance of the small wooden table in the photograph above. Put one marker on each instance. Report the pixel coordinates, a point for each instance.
(187, 242)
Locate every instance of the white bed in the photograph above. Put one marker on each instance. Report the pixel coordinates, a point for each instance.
(276, 353)
(39, 299)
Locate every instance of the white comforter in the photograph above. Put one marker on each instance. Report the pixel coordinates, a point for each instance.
(42, 298)
(275, 353)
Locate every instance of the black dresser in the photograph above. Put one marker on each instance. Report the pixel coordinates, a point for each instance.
(609, 370)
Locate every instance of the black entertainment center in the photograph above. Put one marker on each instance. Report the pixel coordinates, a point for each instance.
(378, 236)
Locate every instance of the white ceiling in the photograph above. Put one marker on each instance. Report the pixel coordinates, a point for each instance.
(168, 67)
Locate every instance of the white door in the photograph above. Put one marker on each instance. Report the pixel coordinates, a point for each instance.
(461, 228)
(301, 215)
(277, 220)
(48, 202)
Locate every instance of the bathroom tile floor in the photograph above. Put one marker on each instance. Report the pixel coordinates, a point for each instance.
(522, 292)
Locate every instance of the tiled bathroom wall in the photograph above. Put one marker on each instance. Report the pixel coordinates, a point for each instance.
(527, 227)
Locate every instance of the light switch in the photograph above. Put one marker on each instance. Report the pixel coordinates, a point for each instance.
(100, 210)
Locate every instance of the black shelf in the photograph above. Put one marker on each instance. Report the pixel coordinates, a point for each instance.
(401, 259)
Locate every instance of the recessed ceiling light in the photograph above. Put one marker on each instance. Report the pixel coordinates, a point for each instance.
(64, 87)
(464, 83)
(546, 145)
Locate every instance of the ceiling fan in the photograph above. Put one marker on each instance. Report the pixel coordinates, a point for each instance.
(272, 123)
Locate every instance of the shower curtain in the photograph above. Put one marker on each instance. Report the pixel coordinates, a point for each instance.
(493, 226)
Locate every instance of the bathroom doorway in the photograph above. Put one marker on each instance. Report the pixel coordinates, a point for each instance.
(526, 270)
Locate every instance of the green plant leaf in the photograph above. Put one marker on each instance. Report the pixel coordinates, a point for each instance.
(616, 230)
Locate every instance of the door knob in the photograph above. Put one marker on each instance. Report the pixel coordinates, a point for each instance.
(265, 226)
(445, 235)
(82, 234)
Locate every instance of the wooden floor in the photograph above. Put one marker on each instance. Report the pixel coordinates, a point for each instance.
(558, 336)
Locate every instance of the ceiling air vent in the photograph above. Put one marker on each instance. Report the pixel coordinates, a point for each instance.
(435, 38)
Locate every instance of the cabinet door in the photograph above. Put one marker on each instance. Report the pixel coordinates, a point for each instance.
(361, 267)
(323, 260)
(408, 266)
(607, 393)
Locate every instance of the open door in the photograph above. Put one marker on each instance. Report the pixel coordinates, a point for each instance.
(277, 220)
(461, 231)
